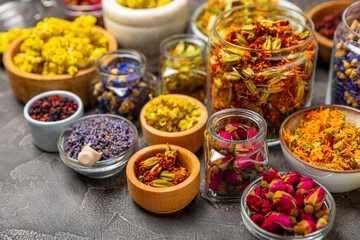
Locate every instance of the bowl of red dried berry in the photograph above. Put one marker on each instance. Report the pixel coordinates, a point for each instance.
(48, 113)
(287, 206)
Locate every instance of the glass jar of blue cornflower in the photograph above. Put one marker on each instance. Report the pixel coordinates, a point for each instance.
(122, 85)
(344, 84)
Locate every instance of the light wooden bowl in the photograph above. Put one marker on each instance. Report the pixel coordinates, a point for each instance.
(191, 139)
(27, 85)
(316, 14)
(164, 200)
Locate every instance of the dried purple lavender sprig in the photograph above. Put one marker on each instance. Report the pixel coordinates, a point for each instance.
(109, 135)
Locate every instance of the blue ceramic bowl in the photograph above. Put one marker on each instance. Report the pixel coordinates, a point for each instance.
(46, 134)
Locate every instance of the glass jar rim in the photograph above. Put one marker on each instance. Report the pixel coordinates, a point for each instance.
(74, 7)
(187, 37)
(345, 13)
(238, 112)
(118, 54)
(308, 20)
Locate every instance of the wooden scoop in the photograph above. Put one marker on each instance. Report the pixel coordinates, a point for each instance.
(88, 156)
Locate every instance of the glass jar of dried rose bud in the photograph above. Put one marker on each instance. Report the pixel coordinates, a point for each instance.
(262, 57)
(236, 153)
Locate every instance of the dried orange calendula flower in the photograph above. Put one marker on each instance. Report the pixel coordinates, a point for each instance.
(326, 140)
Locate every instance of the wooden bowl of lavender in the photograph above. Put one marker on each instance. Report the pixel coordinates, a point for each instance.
(112, 136)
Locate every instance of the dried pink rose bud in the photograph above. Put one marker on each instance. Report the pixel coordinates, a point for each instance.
(271, 174)
(223, 163)
(252, 133)
(258, 191)
(257, 218)
(277, 185)
(264, 192)
(305, 185)
(291, 178)
(299, 199)
(304, 227)
(286, 202)
(241, 163)
(254, 201)
(233, 177)
(321, 223)
(241, 188)
(315, 198)
(306, 216)
(225, 134)
(266, 206)
(290, 190)
(277, 220)
(215, 181)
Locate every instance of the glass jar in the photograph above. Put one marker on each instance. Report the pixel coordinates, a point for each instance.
(183, 68)
(345, 62)
(74, 8)
(251, 67)
(122, 86)
(231, 165)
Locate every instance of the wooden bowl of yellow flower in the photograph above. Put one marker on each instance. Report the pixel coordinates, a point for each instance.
(191, 138)
(26, 85)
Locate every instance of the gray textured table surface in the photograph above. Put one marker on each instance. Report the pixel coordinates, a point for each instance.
(42, 198)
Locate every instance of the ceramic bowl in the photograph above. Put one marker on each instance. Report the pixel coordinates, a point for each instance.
(316, 14)
(144, 29)
(164, 200)
(198, 11)
(26, 85)
(191, 139)
(259, 233)
(102, 168)
(45, 134)
(335, 180)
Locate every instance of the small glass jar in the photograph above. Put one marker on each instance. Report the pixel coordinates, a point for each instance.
(73, 9)
(183, 68)
(231, 165)
(271, 76)
(344, 85)
(122, 86)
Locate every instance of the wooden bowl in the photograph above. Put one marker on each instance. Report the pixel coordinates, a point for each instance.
(164, 200)
(27, 85)
(335, 181)
(316, 14)
(191, 139)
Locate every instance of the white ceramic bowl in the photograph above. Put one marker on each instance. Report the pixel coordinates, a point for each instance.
(144, 29)
(45, 134)
(199, 10)
(335, 181)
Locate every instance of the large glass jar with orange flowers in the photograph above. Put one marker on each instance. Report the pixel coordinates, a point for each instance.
(262, 57)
